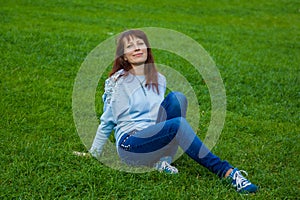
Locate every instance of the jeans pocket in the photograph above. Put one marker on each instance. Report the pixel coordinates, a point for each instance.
(123, 144)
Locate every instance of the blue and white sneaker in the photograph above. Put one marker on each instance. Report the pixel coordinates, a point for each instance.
(241, 184)
(164, 166)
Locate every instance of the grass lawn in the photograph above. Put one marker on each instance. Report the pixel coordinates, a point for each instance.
(255, 45)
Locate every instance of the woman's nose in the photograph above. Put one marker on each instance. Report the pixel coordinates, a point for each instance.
(136, 47)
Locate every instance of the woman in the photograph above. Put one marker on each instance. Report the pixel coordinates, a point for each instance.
(148, 127)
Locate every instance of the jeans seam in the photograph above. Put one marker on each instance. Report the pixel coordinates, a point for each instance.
(138, 146)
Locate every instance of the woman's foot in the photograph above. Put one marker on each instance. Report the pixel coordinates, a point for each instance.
(241, 184)
(164, 166)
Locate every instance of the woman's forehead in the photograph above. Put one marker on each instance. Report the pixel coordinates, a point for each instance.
(131, 38)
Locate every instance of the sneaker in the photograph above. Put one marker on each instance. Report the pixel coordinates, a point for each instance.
(241, 184)
(164, 166)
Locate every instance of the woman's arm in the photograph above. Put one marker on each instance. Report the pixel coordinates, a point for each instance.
(107, 121)
(103, 132)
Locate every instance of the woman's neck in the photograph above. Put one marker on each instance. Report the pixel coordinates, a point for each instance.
(138, 69)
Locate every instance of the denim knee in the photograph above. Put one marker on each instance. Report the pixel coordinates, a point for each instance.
(178, 124)
(178, 99)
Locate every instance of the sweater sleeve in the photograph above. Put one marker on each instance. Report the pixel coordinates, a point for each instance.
(107, 123)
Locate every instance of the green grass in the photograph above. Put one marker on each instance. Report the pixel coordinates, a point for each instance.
(255, 45)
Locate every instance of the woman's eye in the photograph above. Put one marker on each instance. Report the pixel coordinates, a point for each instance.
(129, 46)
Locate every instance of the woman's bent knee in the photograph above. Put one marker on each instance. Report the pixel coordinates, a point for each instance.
(178, 97)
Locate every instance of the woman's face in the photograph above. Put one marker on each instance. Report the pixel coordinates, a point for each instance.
(135, 50)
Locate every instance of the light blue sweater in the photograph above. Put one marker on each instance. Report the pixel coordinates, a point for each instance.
(127, 106)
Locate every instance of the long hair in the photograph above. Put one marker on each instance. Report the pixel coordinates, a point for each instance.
(150, 70)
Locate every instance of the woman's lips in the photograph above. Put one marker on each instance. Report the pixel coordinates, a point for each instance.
(138, 55)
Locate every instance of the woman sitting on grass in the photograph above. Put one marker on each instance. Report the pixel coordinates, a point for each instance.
(148, 127)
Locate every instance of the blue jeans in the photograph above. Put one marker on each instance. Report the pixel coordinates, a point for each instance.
(171, 131)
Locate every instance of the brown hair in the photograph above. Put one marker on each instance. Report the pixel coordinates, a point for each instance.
(150, 70)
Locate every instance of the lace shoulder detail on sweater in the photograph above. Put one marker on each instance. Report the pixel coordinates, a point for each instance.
(110, 85)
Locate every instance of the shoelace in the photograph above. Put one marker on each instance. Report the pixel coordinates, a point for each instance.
(170, 168)
(240, 181)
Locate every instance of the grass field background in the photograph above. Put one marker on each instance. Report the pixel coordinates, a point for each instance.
(255, 44)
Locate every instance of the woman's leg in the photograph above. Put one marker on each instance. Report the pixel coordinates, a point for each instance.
(148, 145)
(174, 105)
